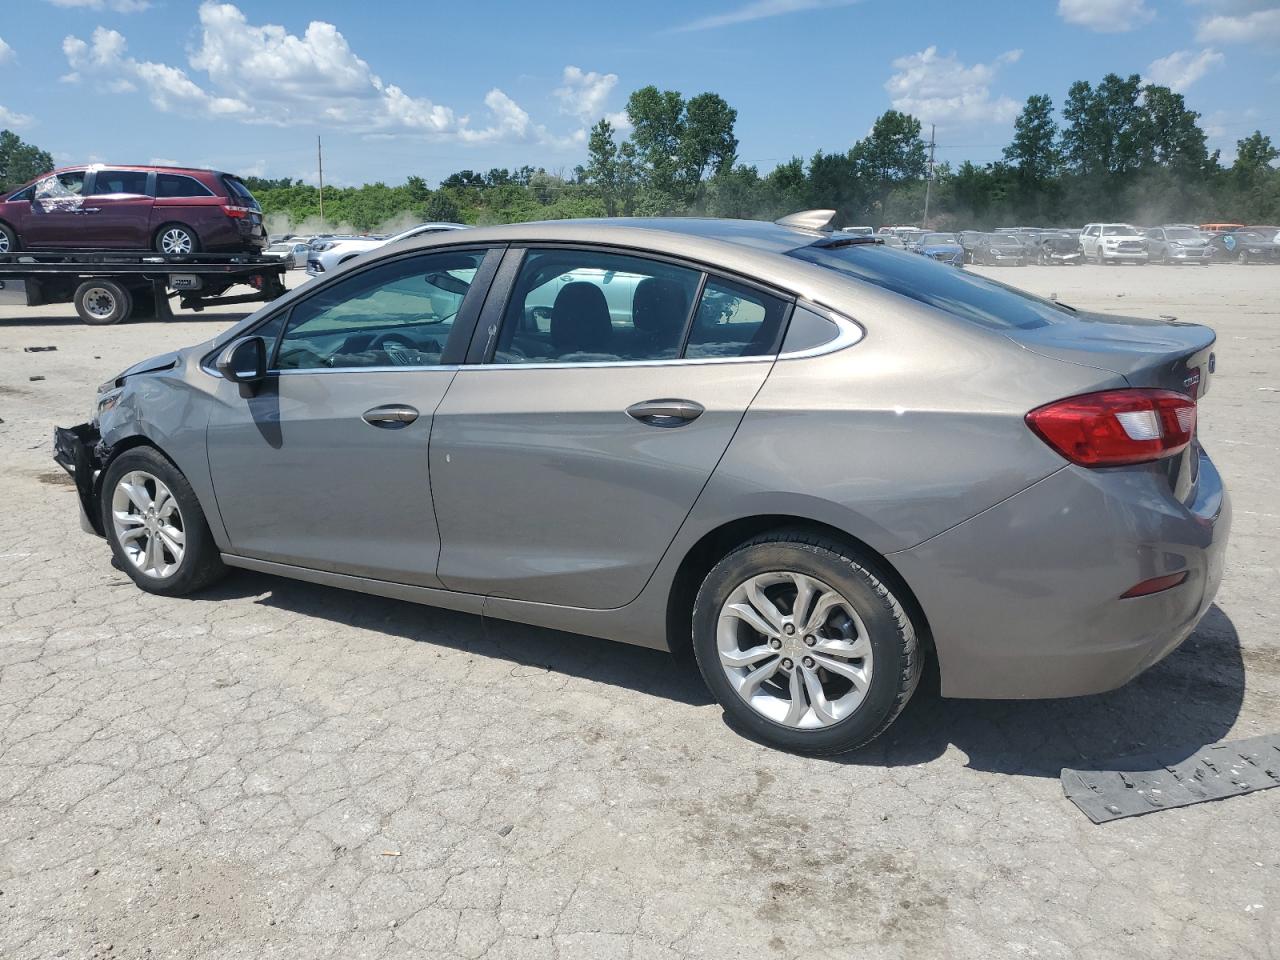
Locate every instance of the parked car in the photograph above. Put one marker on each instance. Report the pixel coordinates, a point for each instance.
(1246, 246)
(690, 467)
(328, 254)
(859, 231)
(173, 210)
(1177, 244)
(944, 247)
(999, 250)
(1113, 243)
(296, 251)
(1059, 248)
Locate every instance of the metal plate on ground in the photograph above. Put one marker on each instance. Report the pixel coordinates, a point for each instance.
(1215, 772)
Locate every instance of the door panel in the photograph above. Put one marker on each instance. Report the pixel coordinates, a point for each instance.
(56, 218)
(120, 221)
(548, 490)
(302, 478)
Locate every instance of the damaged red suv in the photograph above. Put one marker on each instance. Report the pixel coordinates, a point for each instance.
(172, 210)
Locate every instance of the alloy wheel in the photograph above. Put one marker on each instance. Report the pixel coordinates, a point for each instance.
(794, 649)
(175, 240)
(4, 242)
(148, 524)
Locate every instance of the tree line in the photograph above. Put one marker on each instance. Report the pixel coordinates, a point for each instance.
(1122, 150)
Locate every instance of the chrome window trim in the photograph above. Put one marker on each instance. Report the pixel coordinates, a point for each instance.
(615, 364)
(850, 333)
(294, 371)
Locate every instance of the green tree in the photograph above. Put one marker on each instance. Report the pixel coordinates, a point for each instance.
(892, 154)
(1173, 137)
(20, 161)
(657, 119)
(1254, 155)
(707, 143)
(604, 166)
(440, 206)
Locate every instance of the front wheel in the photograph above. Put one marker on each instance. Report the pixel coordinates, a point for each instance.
(803, 644)
(8, 239)
(155, 525)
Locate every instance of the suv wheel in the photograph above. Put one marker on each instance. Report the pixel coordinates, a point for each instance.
(804, 646)
(155, 526)
(174, 239)
(8, 239)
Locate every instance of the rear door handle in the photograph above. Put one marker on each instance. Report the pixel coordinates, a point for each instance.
(391, 415)
(665, 413)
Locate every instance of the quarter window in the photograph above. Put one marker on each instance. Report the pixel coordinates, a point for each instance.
(397, 314)
(178, 185)
(734, 320)
(574, 306)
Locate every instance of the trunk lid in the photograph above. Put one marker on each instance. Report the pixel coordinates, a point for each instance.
(1148, 353)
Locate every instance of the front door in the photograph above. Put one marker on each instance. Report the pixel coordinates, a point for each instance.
(117, 210)
(563, 466)
(327, 465)
(57, 217)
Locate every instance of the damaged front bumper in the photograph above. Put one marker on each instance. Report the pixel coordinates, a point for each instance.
(78, 450)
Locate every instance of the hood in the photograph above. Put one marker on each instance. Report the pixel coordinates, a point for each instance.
(1061, 244)
(1190, 242)
(165, 361)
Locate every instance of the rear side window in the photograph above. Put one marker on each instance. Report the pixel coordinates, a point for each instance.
(734, 320)
(958, 292)
(240, 192)
(107, 182)
(180, 185)
(580, 306)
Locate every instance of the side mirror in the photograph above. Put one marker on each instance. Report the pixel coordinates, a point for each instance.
(244, 361)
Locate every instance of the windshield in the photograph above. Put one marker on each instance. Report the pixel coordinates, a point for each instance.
(1119, 230)
(1181, 233)
(1004, 240)
(932, 238)
(958, 292)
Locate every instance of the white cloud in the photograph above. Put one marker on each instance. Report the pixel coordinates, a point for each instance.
(1240, 21)
(584, 94)
(1180, 69)
(264, 74)
(759, 10)
(116, 6)
(1106, 16)
(6, 51)
(942, 90)
(10, 119)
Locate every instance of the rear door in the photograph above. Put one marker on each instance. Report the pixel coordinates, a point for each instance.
(564, 462)
(326, 467)
(117, 209)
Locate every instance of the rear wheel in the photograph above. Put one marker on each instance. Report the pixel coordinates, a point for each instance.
(176, 239)
(103, 302)
(8, 239)
(155, 526)
(803, 644)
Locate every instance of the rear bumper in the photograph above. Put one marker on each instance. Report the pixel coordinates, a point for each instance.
(76, 450)
(1024, 600)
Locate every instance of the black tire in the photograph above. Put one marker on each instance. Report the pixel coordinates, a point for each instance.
(201, 564)
(8, 239)
(167, 237)
(896, 653)
(101, 303)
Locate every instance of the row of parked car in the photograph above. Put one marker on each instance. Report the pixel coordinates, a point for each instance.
(322, 253)
(1102, 243)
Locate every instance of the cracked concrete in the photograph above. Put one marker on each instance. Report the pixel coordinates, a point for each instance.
(274, 769)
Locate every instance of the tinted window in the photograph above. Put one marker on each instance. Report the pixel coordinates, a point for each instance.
(396, 314)
(576, 306)
(240, 192)
(178, 185)
(958, 292)
(120, 181)
(735, 321)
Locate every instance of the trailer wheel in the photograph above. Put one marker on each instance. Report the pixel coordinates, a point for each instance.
(103, 302)
(8, 239)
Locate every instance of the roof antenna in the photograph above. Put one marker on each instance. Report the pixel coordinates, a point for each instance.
(817, 221)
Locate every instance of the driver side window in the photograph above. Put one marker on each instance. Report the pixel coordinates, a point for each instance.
(397, 314)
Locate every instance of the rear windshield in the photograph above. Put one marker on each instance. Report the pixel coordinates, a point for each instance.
(958, 292)
(241, 192)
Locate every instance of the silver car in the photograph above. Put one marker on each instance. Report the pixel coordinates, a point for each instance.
(816, 460)
(327, 254)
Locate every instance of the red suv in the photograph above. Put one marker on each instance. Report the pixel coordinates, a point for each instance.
(172, 210)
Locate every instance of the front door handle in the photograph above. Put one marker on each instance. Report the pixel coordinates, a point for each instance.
(665, 413)
(392, 415)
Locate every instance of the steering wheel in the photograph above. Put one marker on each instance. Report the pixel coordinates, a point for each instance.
(401, 341)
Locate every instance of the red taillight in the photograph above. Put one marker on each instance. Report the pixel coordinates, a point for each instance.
(1116, 427)
(235, 213)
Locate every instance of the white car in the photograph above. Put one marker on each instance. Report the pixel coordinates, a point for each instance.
(328, 255)
(1113, 243)
(295, 251)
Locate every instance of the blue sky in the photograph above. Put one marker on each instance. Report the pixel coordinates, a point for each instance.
(400, 87)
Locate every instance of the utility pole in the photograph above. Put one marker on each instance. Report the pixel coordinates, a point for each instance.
(928, 183)
(320, 162)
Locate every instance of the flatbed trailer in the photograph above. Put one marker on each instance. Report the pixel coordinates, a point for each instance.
(110, 286)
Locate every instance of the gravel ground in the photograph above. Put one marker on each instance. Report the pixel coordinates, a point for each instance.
(274, 769)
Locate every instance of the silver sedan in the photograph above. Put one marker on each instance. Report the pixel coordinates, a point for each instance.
(816, 461)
